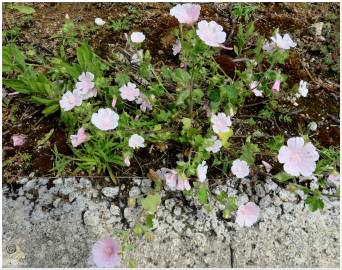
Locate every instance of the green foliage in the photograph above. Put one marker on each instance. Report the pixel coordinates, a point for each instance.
(120, 25)
(151, 203)
(275, 143)
(314, 203)
(24, 9)
(243, 11)
(202, 194)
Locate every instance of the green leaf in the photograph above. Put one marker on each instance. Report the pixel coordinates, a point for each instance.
(314, 203)
(283, 177)
(222, 196)
(186, 123)
(202, 195)
(24, 9)
(17, 85)
(151, 203)
(248, 152)
(46, 138)
(231, 206)
(149, 221)
(276, 142)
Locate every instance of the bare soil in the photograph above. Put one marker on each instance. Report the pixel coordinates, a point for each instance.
(316, 60)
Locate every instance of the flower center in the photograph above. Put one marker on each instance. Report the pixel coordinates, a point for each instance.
(109, 251)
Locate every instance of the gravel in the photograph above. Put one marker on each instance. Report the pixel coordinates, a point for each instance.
(49, 230)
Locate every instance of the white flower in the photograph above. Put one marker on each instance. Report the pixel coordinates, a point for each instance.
(70, 100)
(221, 122)
(105, 119)
(216, 145)
(99, 21)
(211, 33)
(253, 87)
(298, 158)
(136, 141)
(240, 168)
(137, 37)
(302, 90)
(129, 91)
(269, 46)
(176, 48)
(283, 43)
(186, 13)
(247, 214)
(202, 171)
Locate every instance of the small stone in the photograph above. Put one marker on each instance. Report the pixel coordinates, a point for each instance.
(260, 192)
(23, 180)
(122, 187)
(265, 201)
(288, 207)
(287, 196)
(242, 199)
(127, 213)
(188, 232)
(58, 182)
(270, 186)
(30, 184)
(110, 192)
(91, 218)
(134, 192)
(137, 181)
(178, 225)
(169, 204)
(318, 27)
(31, 174)
(276, 200)
(72, 196)
(57, 202)
(43, 181)
(177, 211)
(86, 183)
(114, 210)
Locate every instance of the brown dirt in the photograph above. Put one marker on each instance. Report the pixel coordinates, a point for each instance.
(308, 62)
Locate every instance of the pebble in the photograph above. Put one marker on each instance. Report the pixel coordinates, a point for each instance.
(260, 192)
(134, 192)
(91, 218)
(265, 201)
(287, 196)
(177, 211)
(110, 192)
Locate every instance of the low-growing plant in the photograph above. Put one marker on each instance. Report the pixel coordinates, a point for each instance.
(113, 107)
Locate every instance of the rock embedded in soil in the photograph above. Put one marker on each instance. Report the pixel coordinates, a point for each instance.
(110, 192)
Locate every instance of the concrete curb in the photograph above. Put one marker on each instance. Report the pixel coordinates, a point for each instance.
(55, 224)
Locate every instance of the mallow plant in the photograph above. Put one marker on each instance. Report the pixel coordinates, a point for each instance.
(113, 109)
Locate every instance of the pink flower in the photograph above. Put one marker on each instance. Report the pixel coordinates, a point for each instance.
(240, 168)
(216, 145)
(211, 33)
(79, 138)
(70, 100)
(105, 119)
(129, 91)
(247, 214)
(221, 122)
(113, 102)
(186, 13)
(276, 86)
(298, 158)
(105, 253)
(85, 83)
(174, 180)
(136, 141)
(202, 171)
(334, 178)
(18, 139)
(267, 166)
(176, 48)
(137, 37)
(145, 104)
(269, 46)
(170, 177)
(183, 183)
(127, 162)
(253, 86)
